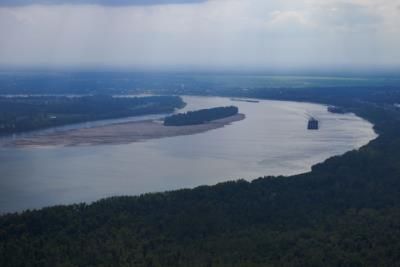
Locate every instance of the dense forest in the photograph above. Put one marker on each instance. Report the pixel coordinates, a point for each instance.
(24, 113)
(200, 116)
(346, 212)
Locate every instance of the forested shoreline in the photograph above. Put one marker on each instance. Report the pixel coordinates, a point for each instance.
(27, 113)
(345, 212)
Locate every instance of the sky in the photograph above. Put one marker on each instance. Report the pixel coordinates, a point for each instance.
(200, 33)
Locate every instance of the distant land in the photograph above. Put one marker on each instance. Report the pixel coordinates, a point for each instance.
(28, 113)
(58, 82)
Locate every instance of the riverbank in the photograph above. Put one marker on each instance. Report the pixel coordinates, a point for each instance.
(120, 133)
(352, 195)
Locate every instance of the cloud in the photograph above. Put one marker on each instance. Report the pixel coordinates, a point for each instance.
(288, 17)
(11, 3)
(214, 33)
(349, 14)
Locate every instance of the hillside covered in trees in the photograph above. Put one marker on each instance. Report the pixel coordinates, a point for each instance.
(200, 116)
(25, 113)
(346, 212)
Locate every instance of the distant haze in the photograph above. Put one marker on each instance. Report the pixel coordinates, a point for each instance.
(200, 33)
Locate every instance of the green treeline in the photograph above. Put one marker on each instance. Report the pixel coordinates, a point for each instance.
(18, 114)
(200, 116)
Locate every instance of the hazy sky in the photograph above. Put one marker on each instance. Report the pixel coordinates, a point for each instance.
(200, 33)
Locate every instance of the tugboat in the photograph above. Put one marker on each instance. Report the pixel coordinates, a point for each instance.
(245, 100)
(337, 110)
(313, 124)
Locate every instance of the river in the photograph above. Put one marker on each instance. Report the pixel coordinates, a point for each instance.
(272, 140)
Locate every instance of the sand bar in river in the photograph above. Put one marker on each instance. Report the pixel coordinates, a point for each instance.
(120, 133)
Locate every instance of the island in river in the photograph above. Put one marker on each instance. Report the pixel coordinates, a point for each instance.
(120, 133)
(200, 116)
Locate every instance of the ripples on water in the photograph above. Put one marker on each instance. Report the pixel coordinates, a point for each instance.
(272, 140)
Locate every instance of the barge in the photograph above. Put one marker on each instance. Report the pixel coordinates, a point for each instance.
(313, 124)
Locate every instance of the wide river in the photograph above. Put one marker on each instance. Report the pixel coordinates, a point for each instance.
(272, 140)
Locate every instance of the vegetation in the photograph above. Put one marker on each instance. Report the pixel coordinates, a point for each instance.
(200, 116)
(26, 113)
(120, 82)
(346, 212)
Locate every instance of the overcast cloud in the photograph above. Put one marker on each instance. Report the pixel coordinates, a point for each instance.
(95, 2)
(214, 33)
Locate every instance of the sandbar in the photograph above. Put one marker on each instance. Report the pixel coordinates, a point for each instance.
(119, 133)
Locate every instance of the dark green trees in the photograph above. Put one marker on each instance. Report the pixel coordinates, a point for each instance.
(200, 116)
(18, 114)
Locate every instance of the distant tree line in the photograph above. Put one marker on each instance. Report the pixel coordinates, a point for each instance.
(18, 114)
(200, 116)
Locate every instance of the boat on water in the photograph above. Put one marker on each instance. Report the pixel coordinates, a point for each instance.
(245, 100)
(337, 110)
(313, 124)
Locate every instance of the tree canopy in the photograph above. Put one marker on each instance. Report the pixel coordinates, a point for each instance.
(200, 116)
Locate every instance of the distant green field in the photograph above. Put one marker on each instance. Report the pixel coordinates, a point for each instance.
(157, 82)
(266, 81)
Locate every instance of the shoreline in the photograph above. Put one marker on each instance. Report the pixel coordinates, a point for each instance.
(116, 134)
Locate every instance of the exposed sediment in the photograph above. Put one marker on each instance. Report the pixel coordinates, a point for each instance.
(120, 133)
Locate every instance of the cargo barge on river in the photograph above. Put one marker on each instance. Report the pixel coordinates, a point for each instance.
(313, 124)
